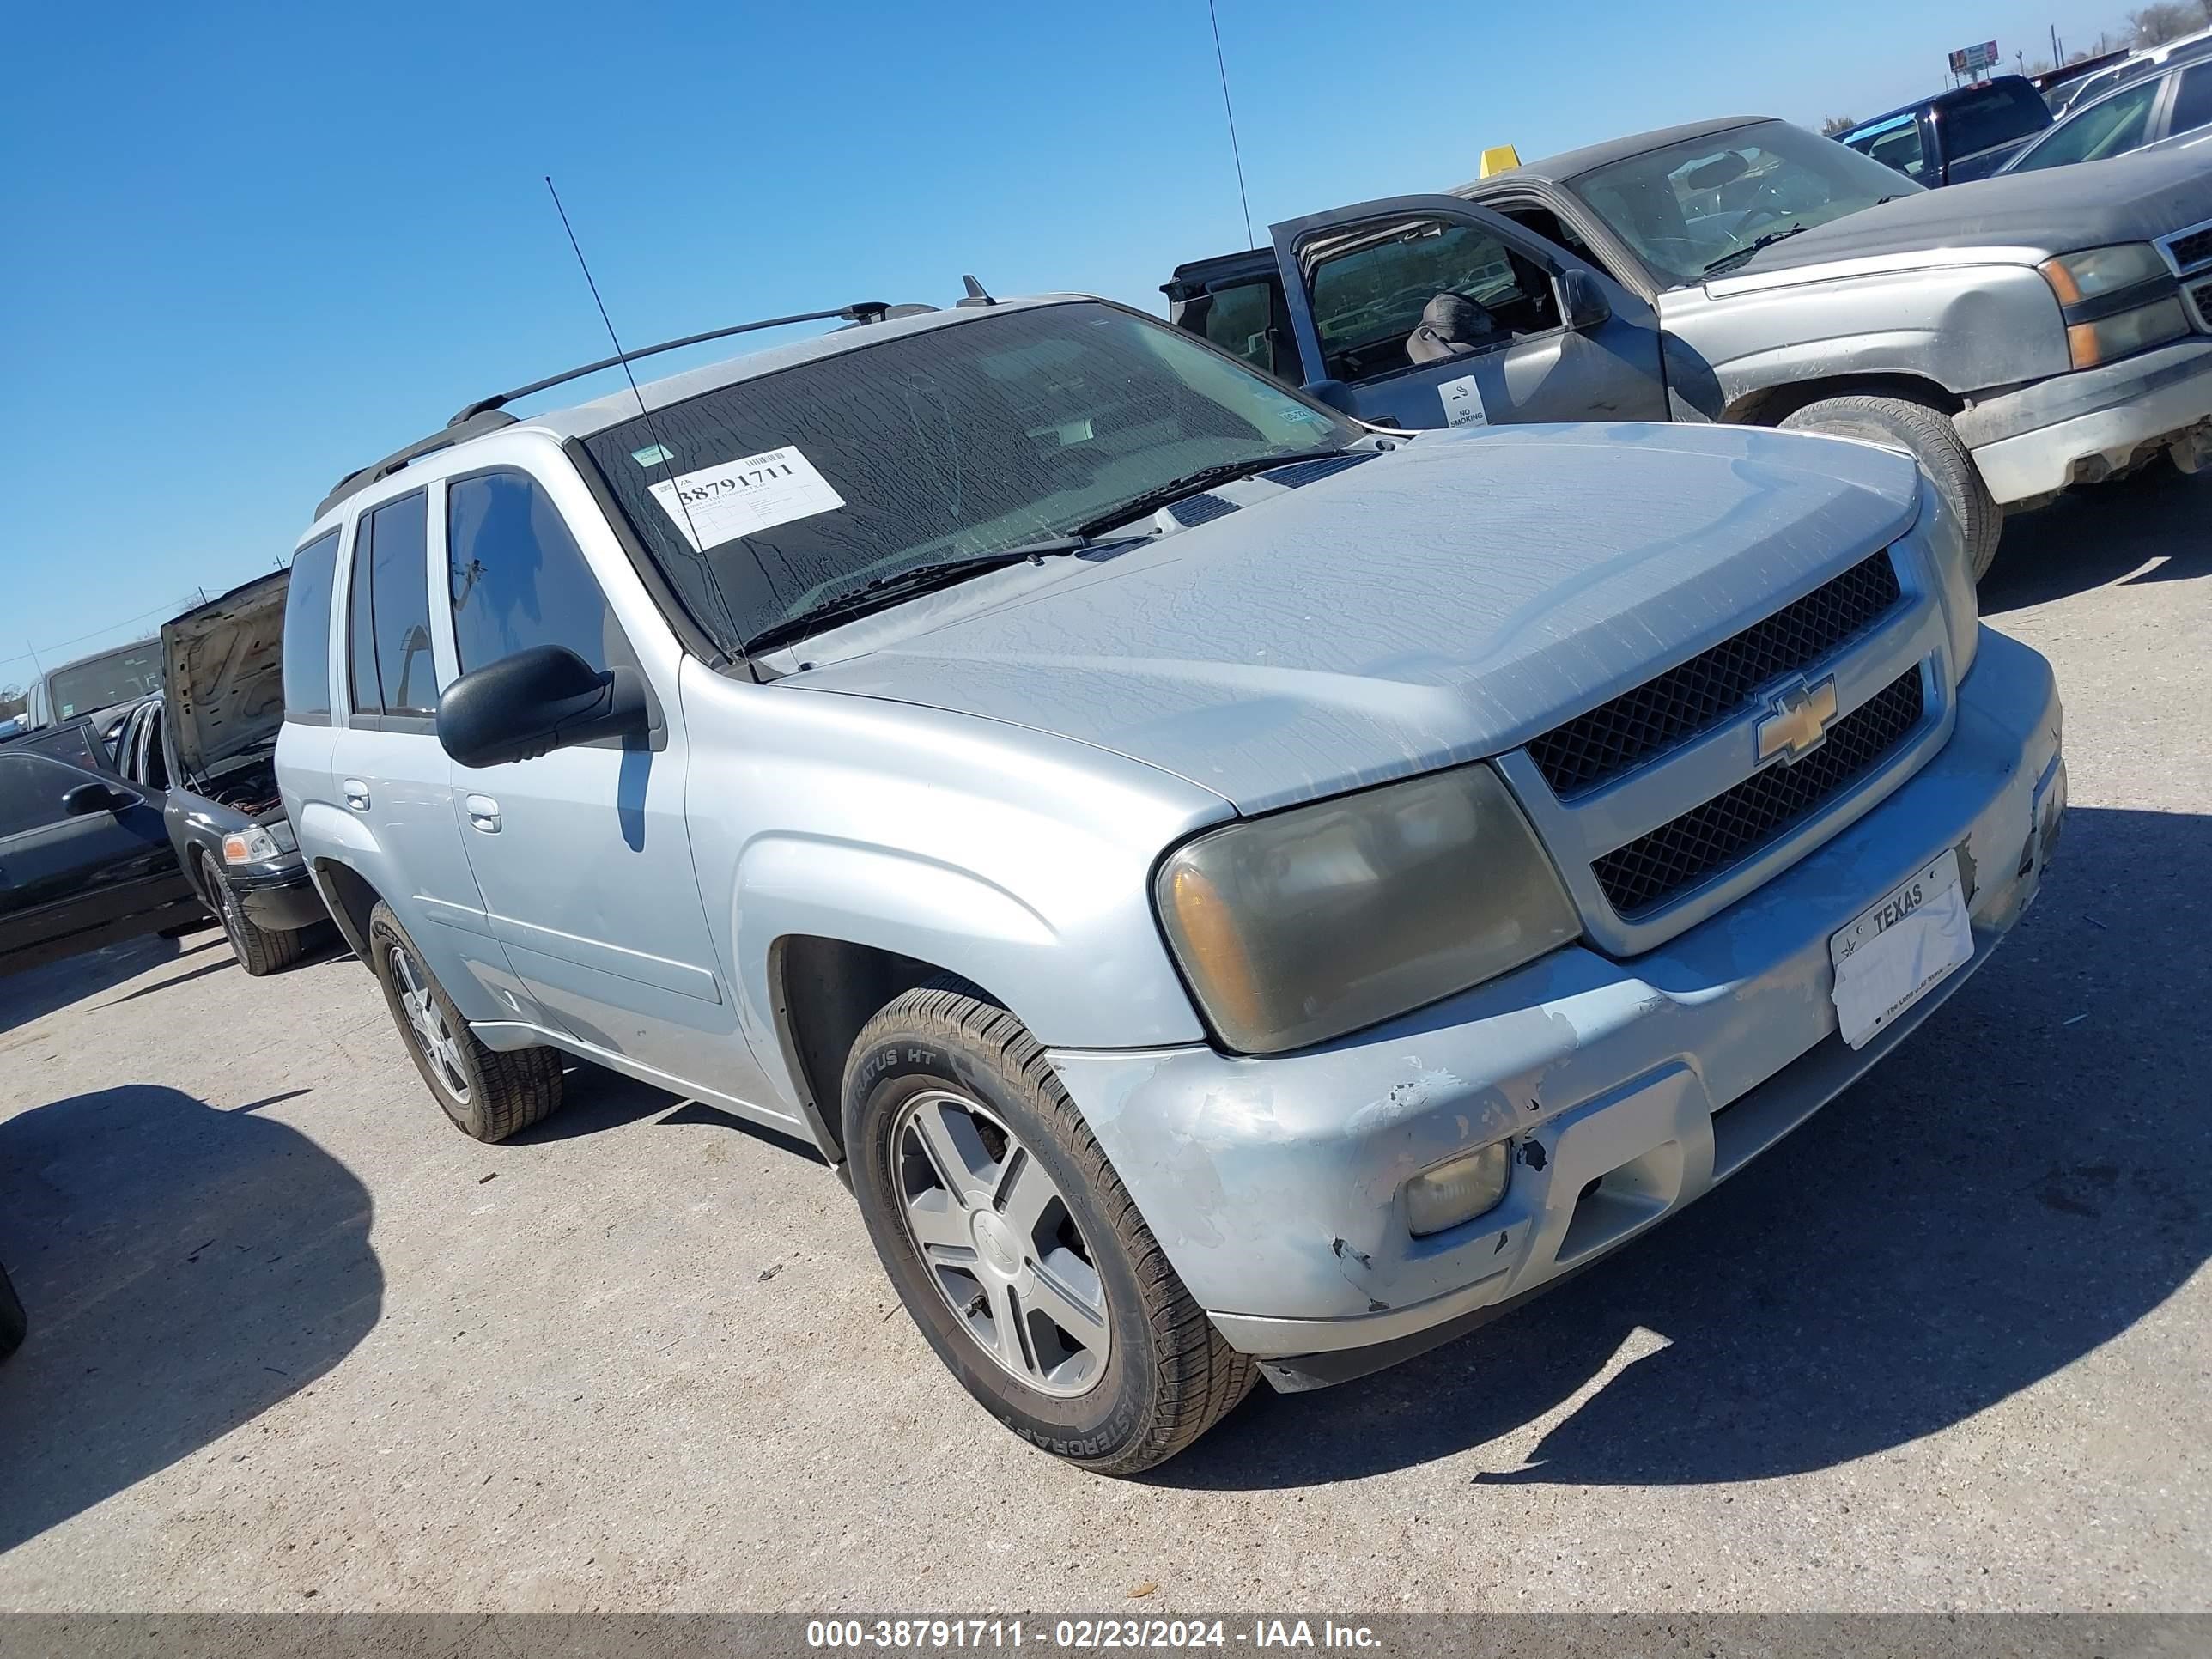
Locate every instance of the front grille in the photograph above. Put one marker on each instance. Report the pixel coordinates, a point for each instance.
(2193, 249)
(1651, 869)
(2200, 299)
(1715, 685)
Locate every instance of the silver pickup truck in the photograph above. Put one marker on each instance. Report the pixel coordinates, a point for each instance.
(2016, 335)
(1233, 891)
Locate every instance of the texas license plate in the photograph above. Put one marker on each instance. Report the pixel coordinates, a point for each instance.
(1899, 951)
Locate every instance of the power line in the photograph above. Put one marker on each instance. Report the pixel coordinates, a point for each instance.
(163, 611)
(1236, 155)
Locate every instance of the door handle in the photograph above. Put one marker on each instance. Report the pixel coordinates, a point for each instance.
(357, 794)
(484, 813)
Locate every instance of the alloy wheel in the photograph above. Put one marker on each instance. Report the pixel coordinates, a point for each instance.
(432, 1032)
(997, 1237)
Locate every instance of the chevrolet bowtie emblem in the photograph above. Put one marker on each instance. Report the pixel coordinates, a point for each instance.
(1799, 724)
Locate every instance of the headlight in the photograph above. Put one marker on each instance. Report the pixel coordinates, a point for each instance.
(255, 846)
(2115, 337)
(2088, 286)
(1301, 927)
(2076, 277)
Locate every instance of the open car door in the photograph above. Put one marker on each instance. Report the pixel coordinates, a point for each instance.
(1428, 311)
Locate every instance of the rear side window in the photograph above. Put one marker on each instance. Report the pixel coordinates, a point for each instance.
(1896, 145)
(517, 577)
(2111, 128)
(31, 790)
(2192, 99)
(1986, 117)
(307, 632)
(390, 623)
(1242, 320)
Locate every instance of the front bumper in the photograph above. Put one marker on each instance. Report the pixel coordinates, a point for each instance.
(2078, 428)
(1628, 1087)
(279, 898)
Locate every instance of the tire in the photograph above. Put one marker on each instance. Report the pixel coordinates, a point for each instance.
(489, 1094)
(1115, 1394)
(1934, 442)
(258, 950)
(15, 1326)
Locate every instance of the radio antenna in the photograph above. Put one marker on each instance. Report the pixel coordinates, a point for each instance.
(1228, 109)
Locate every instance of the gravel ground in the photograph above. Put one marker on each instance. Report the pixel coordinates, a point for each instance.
(297, 1345)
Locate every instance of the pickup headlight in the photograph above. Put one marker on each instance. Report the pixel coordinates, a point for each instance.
(2104, 320)
(1298, 928)
(255, 846)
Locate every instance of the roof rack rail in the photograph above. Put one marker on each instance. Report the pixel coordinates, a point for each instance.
(861, 311)
(487, 414)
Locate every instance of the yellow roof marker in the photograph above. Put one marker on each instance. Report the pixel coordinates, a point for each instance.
(1500, 158)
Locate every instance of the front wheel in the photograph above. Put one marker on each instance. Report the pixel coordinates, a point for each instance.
(1934, 443)
(489, 1093)
(258, 950)
(1015, 1247)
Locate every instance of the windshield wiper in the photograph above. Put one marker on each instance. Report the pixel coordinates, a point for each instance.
(880, 591)
(1194, 484)
(1728, 260)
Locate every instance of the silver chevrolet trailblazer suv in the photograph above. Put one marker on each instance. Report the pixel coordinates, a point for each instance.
(1235, 891)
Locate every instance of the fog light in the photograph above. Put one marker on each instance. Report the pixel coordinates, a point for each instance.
(1458, 1190)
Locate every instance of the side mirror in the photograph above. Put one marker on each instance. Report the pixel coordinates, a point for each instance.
(1583, 304)
(85, 799)
(538, 700)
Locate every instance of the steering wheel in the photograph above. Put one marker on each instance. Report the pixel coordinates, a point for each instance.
(1757, 218)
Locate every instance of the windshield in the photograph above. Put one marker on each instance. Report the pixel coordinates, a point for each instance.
(1686, 207)
(1008, 427)
(102, 682)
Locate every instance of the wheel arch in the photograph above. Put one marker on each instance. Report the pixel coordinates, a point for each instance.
(1771, 405)
(348, 896)
(823, 992)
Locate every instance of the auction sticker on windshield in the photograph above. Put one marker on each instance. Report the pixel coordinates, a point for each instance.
(719, 503)
(1895, 953)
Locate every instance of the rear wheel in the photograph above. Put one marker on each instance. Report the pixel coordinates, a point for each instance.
(1015, 1247)
(1934, 443)
(258, 950)
(489, 1094)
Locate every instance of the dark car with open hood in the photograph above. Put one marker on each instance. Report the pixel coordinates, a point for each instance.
(208, 745)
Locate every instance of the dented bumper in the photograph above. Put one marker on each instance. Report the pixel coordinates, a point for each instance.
(1275, 1185)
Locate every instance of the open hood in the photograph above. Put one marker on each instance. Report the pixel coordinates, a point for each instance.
(1444, 602)
(2129, 199)
(224, 675)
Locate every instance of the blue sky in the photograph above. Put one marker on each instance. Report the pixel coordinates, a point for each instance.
(249, 248)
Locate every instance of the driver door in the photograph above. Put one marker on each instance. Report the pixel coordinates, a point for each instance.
(1428, 311)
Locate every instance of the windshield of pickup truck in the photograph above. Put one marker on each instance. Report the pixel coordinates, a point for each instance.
(1686, 208)
(101, 682)
(1012, 425)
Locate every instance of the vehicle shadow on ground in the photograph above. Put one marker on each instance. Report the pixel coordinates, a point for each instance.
(185, 1269)
(2095, 535)
(2024, 1180)
(37, 992)
(595, 1100)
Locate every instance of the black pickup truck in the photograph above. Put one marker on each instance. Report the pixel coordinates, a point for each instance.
(1967, 132)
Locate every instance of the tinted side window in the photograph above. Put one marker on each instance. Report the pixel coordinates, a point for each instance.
(307, 632)
(1241, 321)
(518, 578)
(392, 670)
(31, 790)
(1368, 302)
(2192, 99)
(1986, 117)
(1894, 146)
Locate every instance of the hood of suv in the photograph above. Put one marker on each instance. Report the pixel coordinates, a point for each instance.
(2129, 199)
(225, 674)
(1446, 601)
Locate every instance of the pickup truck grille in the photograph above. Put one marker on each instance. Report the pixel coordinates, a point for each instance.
(2200, 301)
(2194, 249)
(1714, 686)
(1650, 871)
